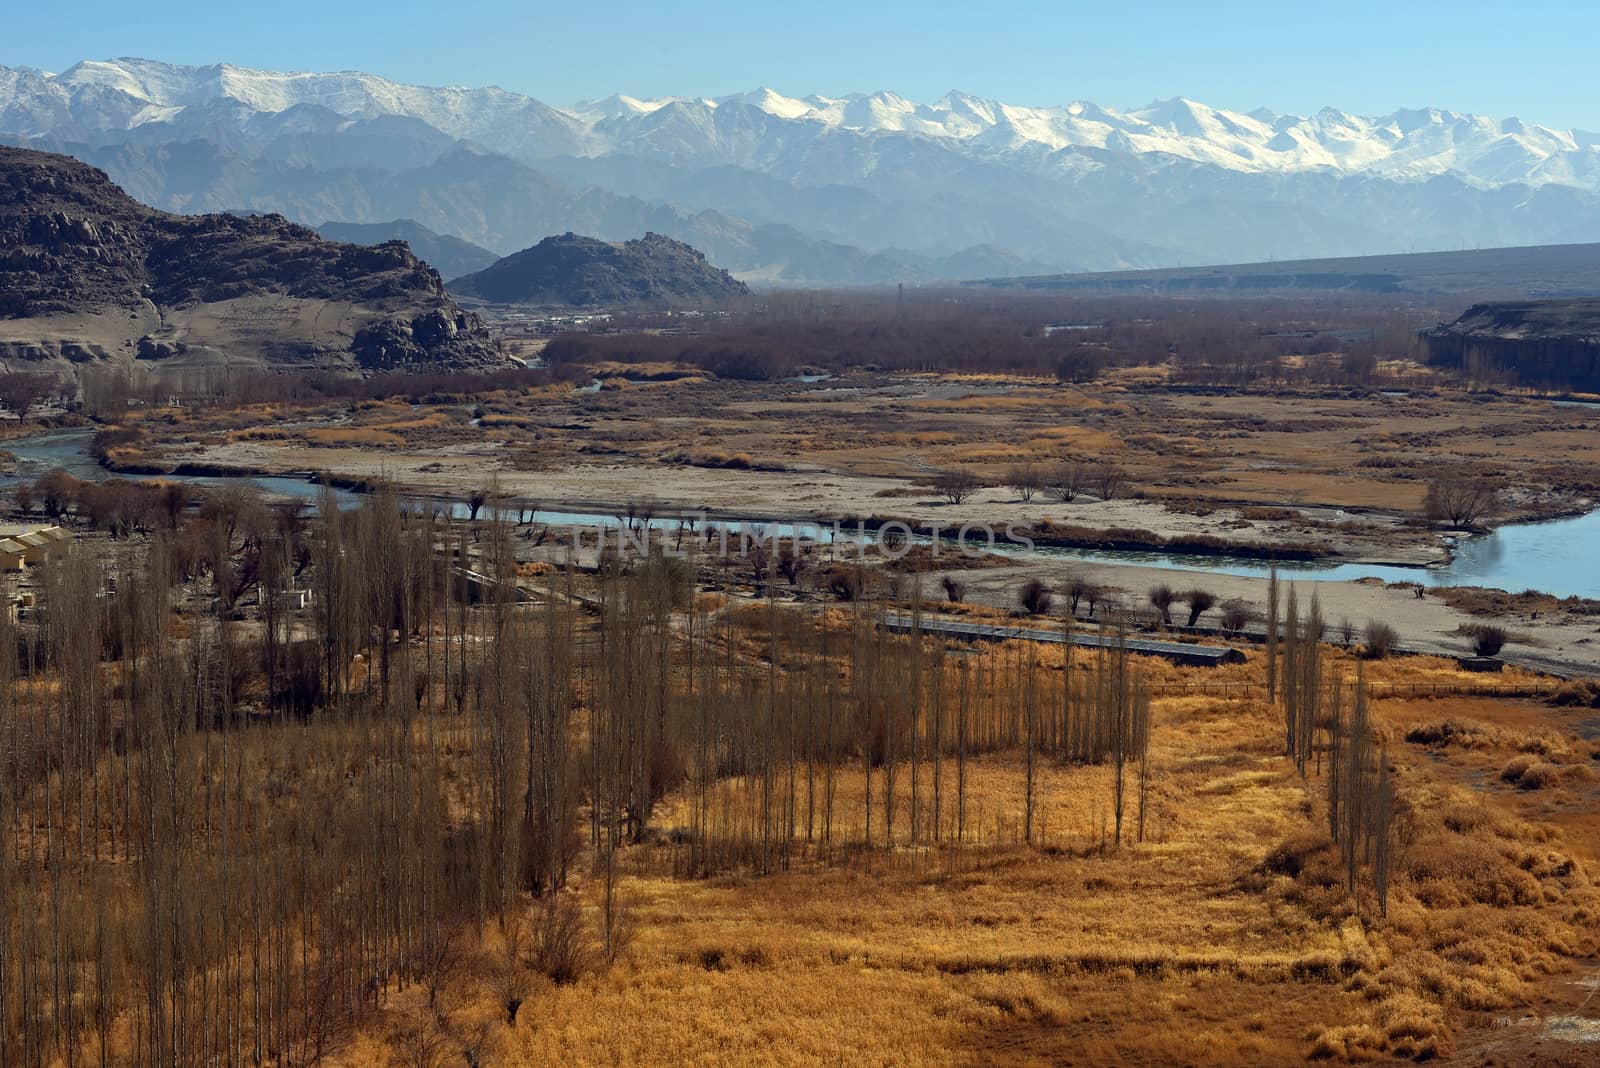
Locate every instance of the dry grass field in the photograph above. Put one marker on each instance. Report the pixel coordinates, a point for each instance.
(1225, 937)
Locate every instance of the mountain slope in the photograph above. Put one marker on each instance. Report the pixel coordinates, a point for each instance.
(874, 186)
(86, 272)
(582, 271)
(450, 256)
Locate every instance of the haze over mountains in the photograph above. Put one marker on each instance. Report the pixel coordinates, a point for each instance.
(856, 189)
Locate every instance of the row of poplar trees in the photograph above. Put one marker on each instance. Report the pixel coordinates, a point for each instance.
(1326, 722)
(259, 771)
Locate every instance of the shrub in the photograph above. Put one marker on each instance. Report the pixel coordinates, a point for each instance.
(1381, 640)
(844, 583)
(1235, 614)
(1487, 640)
(1577, 693)
(562, 951)
(1035, 597)
(954, 591)
(1065, 482)
(1025, 479)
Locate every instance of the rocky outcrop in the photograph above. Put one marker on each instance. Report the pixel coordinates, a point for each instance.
(572, 270)
(1551, 344)
(86, 272)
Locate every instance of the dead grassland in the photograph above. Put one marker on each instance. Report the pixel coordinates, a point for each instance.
(1225, 937)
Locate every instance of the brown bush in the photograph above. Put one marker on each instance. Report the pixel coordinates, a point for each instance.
(1035, 597)
(1381, 640)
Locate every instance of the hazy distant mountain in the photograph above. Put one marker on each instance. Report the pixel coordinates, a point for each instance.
(574, 270)
(1073, 187)
(450, 256)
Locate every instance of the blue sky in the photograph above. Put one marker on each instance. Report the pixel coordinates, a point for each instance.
(1533, 60)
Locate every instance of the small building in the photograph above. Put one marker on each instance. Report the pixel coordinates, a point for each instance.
(30, 547)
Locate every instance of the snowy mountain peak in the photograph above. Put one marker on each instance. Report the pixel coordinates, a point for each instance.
(102, 97)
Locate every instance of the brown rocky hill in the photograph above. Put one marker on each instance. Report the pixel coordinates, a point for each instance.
(573, 270)
(87, 273)
(1547, 344)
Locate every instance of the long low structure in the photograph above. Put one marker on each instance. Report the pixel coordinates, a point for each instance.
(1177, 652)
(30, 546)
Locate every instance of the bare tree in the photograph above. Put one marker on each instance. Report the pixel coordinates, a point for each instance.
(1026, 479)
(1200, 602)
(1461, 502)
(954, 590)
(21, 390)
(956, 485)
(1162, 598)
(1235, 614)
(1109, 481)
(1065, 481)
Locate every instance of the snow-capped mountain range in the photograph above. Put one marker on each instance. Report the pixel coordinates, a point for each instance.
(1075, 186)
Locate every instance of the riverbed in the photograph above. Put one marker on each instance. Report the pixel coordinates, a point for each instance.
(1555, 556)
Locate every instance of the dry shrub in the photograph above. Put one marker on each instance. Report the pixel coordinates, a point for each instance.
(1459, 871)
(1539, 776)
(1577, 693)
(1292, 855)
(1450, 732)
(1035, 597)
(1356, 1042)
(351, 436)
(1381, 640)
(562, 950)
(1518, 767)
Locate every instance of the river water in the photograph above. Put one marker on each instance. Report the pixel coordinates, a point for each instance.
(1560, 557)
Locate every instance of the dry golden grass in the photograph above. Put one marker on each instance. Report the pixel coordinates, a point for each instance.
(1194, 946)
(351, 436)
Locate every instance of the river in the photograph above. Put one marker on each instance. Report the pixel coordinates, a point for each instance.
(1558, 556)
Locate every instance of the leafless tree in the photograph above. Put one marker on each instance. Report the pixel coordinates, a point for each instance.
(1065, 481)
(956, 485)
(1025, 479)
(1200, 602)
(1461, 502)
(1162, 597)
(1109, 481)
(21, 390)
